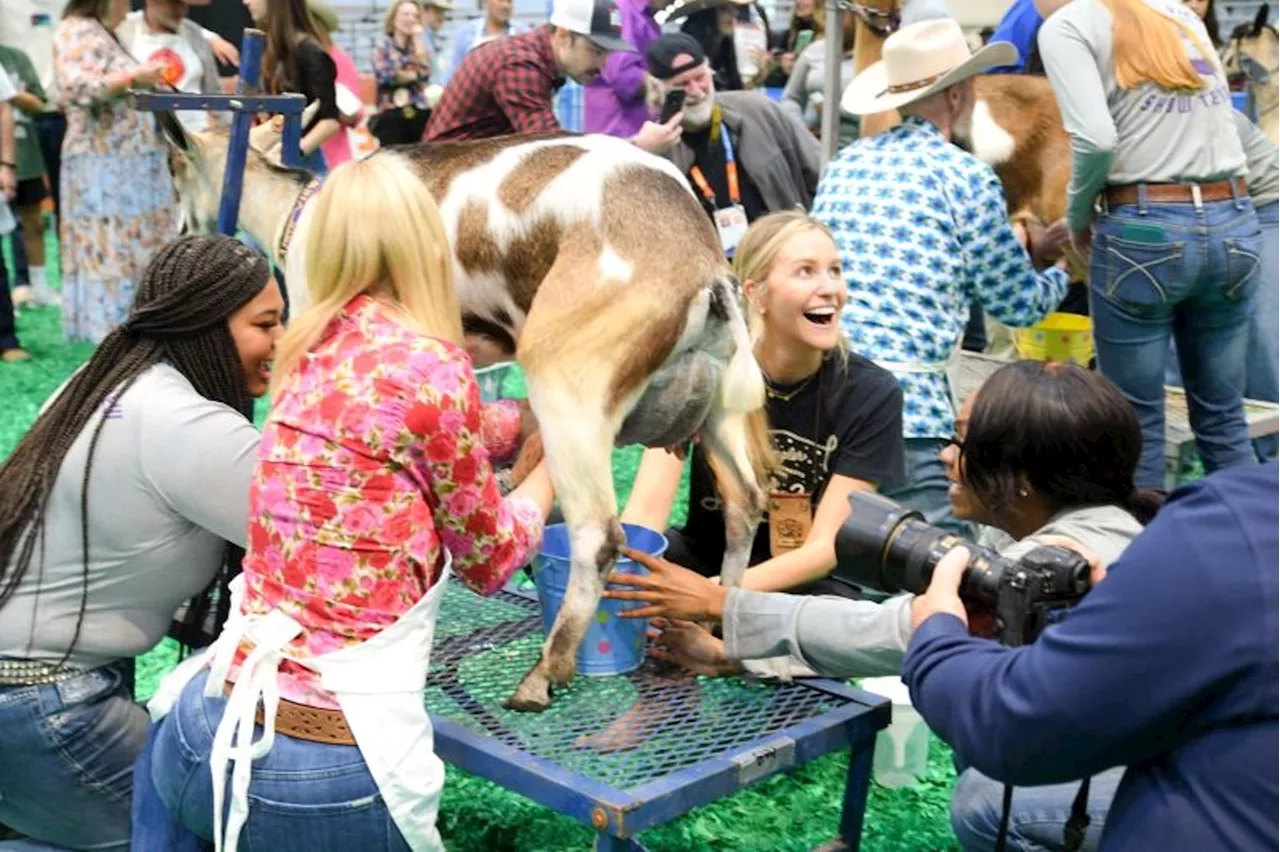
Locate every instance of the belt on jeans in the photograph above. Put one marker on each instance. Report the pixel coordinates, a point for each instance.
(35, 672)
(1177, 193)
(313, 724)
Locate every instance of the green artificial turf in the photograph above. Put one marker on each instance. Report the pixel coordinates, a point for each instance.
(793, 811)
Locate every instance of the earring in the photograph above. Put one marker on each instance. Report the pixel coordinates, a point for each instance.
(1022, 492)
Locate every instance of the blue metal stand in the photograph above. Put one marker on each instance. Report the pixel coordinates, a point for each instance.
(243, 108)
(623, 754)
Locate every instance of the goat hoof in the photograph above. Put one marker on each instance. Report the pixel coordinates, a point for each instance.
(532, 696)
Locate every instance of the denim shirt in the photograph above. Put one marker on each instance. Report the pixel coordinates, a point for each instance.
(922, 229)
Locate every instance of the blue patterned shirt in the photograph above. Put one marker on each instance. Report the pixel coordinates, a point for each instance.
(923, 232)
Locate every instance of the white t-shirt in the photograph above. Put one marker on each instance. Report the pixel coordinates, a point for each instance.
(170, 485)
(183, 68)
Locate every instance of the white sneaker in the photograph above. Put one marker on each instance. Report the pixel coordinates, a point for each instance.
(22, 296)
(46, 296)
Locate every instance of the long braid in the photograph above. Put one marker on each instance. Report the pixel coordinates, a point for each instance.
(179, 315)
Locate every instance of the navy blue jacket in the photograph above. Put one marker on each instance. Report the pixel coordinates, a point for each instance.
(1168, 667)
(1019, 27)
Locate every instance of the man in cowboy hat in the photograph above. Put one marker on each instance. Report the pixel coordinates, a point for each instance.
(923, 232)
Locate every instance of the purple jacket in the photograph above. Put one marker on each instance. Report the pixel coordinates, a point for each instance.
(615, 102)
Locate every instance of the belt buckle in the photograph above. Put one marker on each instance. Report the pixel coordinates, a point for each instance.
(1197, 197)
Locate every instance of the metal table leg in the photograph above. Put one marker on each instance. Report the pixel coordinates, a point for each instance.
(856, 786)
(608, 843)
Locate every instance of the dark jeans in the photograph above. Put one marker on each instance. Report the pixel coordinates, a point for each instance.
(51, 127)
(8, 326)
(392, 128)
(1188, 272)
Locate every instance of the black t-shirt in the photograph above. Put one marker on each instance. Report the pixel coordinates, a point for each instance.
(316, 75)
(845, 420)
(709, 157)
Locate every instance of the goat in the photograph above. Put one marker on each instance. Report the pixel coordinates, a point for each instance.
(598, 260)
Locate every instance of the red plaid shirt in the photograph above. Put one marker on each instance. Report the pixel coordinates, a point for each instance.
(504, 86)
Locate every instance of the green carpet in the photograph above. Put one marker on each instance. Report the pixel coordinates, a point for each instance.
(791, 812)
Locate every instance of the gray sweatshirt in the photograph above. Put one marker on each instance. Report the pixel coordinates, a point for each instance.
(1140, 135)
(1264, 164)
(842, 638)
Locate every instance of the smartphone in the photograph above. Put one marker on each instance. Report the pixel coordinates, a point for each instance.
(804, 38)
(672, 104)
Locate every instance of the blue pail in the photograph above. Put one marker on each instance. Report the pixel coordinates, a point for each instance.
(613, 645)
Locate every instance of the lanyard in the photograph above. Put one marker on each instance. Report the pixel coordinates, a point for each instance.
(730, 170)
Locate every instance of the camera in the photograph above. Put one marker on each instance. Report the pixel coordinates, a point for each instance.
(889, 547)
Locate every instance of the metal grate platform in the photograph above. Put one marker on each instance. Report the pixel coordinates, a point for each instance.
(610, 750)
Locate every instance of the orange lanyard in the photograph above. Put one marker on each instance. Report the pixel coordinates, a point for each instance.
(730, 170)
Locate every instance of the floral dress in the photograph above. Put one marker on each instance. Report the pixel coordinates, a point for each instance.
(374, 462)
(117, 197)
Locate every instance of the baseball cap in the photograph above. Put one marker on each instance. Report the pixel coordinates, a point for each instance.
(598, 20)
(664, 49)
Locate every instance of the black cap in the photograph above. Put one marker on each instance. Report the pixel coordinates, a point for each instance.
(664, 50)
(596, 20)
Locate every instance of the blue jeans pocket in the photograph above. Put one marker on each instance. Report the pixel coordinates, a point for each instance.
(1244, 258)
(1140, 275)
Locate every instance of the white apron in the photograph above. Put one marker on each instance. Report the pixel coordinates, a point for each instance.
(949, 368)
(378, 684)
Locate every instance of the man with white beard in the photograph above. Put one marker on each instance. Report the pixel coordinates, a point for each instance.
(742, 154)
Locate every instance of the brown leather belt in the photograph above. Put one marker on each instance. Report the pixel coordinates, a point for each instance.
(314, 724)
(1176, 193)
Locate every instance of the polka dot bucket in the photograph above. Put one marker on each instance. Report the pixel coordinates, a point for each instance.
(613, 645)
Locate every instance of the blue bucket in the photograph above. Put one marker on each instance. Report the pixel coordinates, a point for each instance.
(613, 645)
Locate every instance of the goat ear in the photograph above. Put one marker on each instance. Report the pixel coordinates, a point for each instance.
(1260, 20)
(173, 131)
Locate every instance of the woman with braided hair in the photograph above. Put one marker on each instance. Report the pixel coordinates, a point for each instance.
(120, 503)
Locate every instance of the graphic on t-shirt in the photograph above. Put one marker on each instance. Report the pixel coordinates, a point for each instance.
(803, 466)
(173, 70)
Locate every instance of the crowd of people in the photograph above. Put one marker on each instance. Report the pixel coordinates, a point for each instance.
(308, 560)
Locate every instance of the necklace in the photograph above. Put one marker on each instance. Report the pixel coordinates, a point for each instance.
(774, 393)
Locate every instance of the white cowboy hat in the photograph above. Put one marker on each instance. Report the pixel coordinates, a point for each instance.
(919, 60)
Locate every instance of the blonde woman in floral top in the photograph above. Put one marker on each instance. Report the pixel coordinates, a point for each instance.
(118, 204)
(373, 485)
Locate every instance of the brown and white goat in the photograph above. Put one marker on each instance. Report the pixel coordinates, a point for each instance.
(597, 258)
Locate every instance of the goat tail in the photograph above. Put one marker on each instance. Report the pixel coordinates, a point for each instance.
(743, 387)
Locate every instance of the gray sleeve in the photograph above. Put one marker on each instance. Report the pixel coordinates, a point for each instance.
(1072, 69)
(795, 97)
(835, 637)
(1261, 155)
(199, 455)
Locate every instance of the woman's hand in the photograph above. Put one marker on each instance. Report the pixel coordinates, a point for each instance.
(224, 51)
(668, 590)
(943, 594)
(691, 647)
(146, 75)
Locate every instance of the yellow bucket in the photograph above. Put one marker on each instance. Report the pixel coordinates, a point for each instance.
(1059, 337)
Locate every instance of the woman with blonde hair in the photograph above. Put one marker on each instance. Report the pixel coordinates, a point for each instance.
(1176, 245)
(402, 67)
(835, 419)
(372, 487)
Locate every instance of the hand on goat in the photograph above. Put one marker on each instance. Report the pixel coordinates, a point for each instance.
(668, 591)
(657, 138)
(1049, 244)
(690, 646)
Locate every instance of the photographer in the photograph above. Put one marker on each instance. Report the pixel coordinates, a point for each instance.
(1045, 454)
(1168, 668)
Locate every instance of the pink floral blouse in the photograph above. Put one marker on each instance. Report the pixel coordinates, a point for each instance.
(373, 464)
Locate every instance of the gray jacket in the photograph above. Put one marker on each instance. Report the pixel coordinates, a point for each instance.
(779, 155)
(843, 638)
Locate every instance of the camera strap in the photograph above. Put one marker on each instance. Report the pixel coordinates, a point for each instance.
(1072, 833)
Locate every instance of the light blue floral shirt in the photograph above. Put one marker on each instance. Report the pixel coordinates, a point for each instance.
(923, 232)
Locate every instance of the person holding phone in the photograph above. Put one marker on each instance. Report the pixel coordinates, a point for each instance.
(743, 156)
(615, 102)
(802, 99)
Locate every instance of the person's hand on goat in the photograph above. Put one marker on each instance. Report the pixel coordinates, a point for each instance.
(690, 646)
(657, 138)
(668, 590)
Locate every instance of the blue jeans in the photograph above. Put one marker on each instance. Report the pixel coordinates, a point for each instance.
(67, 751)
(1174, 269)
(1038, 814)
(925, 485)
(302, 795)
(1261, 380)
